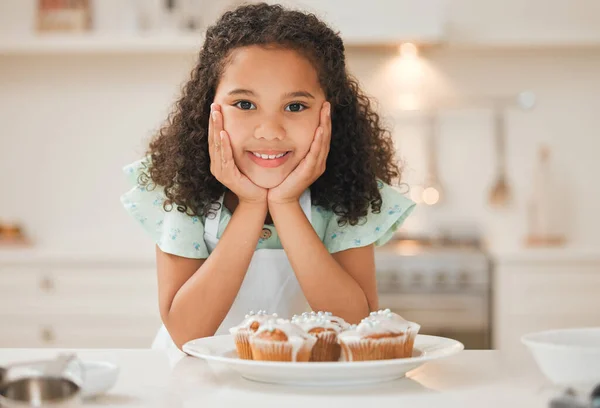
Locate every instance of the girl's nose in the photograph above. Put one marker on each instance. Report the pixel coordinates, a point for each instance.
(270, 130)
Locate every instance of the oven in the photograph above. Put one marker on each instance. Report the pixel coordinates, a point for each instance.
(445, 290)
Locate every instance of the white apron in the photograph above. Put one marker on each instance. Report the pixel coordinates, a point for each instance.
(270, 283)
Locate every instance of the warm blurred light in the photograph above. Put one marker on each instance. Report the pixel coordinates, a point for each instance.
(416, 194)
(409, 102)
(408, 71)
(408, 50)
(431, 196)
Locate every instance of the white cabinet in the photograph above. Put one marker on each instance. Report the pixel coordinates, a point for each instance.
(78, 304)
(524, 23)
(543, 291)
(380, 22)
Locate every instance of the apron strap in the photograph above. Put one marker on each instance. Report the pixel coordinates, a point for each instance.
(211, 226)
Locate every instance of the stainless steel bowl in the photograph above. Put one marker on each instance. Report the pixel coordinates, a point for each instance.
(40, 392)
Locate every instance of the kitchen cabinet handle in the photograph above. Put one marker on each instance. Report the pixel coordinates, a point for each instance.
(47, 284)
(47, 335)
(463, 280)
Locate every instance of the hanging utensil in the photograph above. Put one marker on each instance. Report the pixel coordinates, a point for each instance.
(500, 194)
(432, 187)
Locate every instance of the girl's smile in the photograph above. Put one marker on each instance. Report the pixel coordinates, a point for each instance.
(269, 158)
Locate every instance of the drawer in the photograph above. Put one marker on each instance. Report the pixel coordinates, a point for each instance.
(21, 280)
(442, 311)
(558, 293)
(76, 290)
(79, 331)
(94, 281)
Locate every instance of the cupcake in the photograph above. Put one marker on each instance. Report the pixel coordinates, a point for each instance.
(412, 329)
(325, 328)
(381, 336)
(343, 325)
(241, 333)
(281, 340)
(385, 314)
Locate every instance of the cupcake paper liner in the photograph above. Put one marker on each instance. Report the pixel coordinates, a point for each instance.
(410, 342)
(242, 344)
(326, 348)
(384, 348)
(263, 350)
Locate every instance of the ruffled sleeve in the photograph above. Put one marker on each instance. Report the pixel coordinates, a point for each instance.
(174, 232)
(378, 227)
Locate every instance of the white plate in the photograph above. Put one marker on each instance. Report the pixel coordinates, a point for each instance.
(221, 349)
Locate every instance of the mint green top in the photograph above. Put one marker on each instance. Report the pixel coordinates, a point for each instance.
(183, 235)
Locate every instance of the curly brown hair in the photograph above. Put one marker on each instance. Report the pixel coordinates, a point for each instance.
(361, 151)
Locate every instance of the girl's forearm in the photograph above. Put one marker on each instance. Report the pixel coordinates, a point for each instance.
(326, 285)
(201, 304)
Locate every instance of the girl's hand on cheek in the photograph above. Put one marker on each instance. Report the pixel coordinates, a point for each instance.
(222, 165)
(310, 168)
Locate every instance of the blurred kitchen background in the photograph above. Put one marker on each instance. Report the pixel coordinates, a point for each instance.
(493, 105)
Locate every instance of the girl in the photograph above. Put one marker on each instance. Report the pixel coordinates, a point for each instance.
(269, 186)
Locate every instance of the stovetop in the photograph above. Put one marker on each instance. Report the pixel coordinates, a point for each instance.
(433, 265)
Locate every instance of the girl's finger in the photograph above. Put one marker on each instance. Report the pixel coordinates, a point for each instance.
(315, 149)
(213, 134)
(218, 128)
(306, 167)
(209, 135)
(210, 140)
(226, 152)
(329, 127)
(210, 126)
(326, 129)
(213, 141)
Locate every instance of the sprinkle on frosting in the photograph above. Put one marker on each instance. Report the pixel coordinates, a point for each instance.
(384, 313)
(382, 321)
(253, 318)
(260, 313)
(310, 320)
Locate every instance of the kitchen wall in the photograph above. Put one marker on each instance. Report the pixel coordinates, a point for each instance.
(566, 84)
(70, 122)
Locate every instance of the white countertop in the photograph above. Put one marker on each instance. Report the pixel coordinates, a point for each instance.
(148, 378)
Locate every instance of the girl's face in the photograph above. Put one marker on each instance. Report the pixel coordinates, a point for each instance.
(270, 99)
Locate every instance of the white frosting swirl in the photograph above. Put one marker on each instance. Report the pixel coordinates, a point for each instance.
(385, 314)
(308, 319)
(313, 321)
(381, 322)
(296, 336)
(286, 326)
(260, 317)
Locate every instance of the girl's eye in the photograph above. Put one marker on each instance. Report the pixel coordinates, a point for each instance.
(295, 107)
(245, 105)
